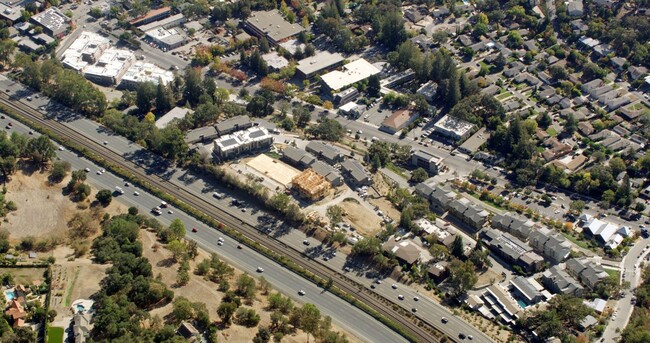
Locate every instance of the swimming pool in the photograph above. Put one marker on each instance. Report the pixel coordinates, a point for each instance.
(10, 294)
(521, 303)
(81, 308)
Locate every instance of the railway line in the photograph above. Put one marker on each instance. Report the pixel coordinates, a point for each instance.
(421, 330)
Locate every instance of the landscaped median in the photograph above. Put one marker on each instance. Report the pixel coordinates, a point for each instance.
(291, 265)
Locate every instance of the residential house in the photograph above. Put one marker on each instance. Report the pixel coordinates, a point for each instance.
(588, 272)
(398, 120)
(324, 152)
(519, 226)
(604, 232)
(298, 157)
(330, 173)
(406, 251)
(438, 271)
(189, 332)
(471, 214)
(16, 312)
(230, 125)
(355, 173)
(637, 72)
(441, 198)
(511, 249)
(558, 281)
(501, 305)
(81, 326)
(575, 8)
(526, 289)
(416, 14)
(551, 245)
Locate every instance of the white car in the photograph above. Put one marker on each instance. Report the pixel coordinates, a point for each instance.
(400, 297)
(87, 170)
(61, 148)
(103, 170)
(170, 212)
(220, 239)
(260, 270)
(99, 172)
(394, 286)
(416, 298)
(136, 193)
(301, 292)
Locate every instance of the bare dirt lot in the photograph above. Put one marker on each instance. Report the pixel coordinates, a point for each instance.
(32, 192)
(200, 290)
(361, 218)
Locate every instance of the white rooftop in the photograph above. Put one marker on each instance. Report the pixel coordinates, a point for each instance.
(112, 63)
(352, 72)
(87, 43)
(452, 124)
(349, 106)
(236, 139)
(142, 71)
(275, 60)
(321, 60)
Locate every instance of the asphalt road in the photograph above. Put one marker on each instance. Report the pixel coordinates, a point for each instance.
(623, 307)
(343, 314)
(427, 309)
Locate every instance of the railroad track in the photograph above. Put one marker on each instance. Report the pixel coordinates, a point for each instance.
(421, 330)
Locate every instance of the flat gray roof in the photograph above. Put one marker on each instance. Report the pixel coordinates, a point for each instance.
(318, 62)
(272, 24)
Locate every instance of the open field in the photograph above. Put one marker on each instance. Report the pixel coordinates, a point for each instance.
(30, 191)
(25, 275)
(362, 219)
(201, 290)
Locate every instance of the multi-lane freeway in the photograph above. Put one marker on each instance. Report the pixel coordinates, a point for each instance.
(162, 174)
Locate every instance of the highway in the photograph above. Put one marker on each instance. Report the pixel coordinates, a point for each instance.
(428, 310)
(344, 315)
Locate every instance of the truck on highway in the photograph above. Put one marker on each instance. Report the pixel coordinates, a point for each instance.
(163, 204)
(119, 190)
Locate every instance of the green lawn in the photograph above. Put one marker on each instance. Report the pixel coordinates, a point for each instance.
(551, 131)
(575, 240)
(55, 335)
(503, 96)
(638, 106)
(397, 170)
(273, 154)
(613, 273)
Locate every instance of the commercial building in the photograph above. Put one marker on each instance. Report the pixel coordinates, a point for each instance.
(10, 13)
(110, 68)
(275, 61)
(453, 128)
(330, 173)
(53, 22)
(352, 72)
(310, 185)
(165, 23)
(346, 95)
(141, 71)
(151, 16)
(84, 51)
(272, 25)
(500, 304)
(240, 142)
(174, 113)
(398, 79)
(527, 289)
(428, 90)
(166, 39)
(398, 120)
(426, 160)
(320, 62)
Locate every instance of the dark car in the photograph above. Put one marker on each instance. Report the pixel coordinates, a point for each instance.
(194, 229)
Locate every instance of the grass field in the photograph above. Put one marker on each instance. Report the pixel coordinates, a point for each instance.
(613, 273)
(575, 240)
(551, 131)
(503, 96)
(55, 335)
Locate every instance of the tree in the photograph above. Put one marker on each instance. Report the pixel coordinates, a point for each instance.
(41, 149)
(246, 286)
(263, 335)
(577, 206)
(144, 96)
(59, 171)
(374, 86)
(225, 311)
(301, 115)
(328, 129)
(182, 309)
(419, 175)
(178, 250)
(193, 86)
(309, 319)
(544, 120)
(7, 48)
(570, 125)
(247, 317)
(617, 165)
(458, 247)
(177, 229)
(392, 32)
(259, 106)
(164, 98)
(558, 72)
(462, 276)
(264, 45)
(104, 197)
(335, 214)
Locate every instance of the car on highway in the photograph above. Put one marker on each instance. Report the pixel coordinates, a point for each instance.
(29, 98)
(444, 320)
(195, 229)
(239, 246)
(105, 142)
(61, 148)
(163, 204)
(87, 170)
(260, 270)
(306, 242)
(99, 172)
(416, 298)
(217, 195)
(31, 132)
(347, 269)
(394, 286)
(156, 211)
(470, 337)
(400, 297)
(170, 212)
(119, 190)
(301, 292)
(414, 310)
(136, 193)
(461, 335)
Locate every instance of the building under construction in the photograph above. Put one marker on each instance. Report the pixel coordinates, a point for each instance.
(311, 185)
